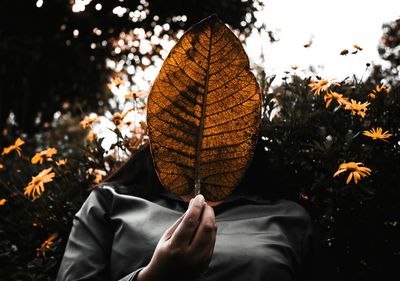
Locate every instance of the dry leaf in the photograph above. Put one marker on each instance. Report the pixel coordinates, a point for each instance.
(204, 112)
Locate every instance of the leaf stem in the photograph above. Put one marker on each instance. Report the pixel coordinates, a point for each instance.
(197, 187)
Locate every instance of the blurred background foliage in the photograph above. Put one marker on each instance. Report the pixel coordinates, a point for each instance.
(61, 61)
(54, 53)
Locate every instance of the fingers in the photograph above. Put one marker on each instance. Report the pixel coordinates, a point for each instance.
(185, 231)
(204, 238)
(168, 233)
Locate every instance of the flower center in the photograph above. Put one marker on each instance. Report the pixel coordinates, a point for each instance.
(352, 166)
(37, 181)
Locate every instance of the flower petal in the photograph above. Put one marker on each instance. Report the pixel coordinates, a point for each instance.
(349, 178)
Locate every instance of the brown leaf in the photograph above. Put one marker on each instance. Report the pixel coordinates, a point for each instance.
(204, 112)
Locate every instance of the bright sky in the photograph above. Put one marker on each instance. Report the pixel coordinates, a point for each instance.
(332, 25)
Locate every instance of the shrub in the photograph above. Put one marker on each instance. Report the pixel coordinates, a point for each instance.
(307, 141)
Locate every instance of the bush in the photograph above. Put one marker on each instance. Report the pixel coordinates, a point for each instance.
(308, 141)
(69, 161)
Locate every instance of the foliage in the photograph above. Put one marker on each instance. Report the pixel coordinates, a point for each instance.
(204, 112)
(35, 227)
(308, 142)
(54, 53)
(390, 43)
(388, 49)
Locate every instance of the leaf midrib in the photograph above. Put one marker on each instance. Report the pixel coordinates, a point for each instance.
(197, 180)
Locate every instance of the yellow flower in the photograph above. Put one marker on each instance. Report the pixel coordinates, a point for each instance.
(379, 89)
(15, 146)
(119, 118)
(329, 96)
(91, 136)
(130, 95)
(36, 185)
(117, 81)
(372, 95)
(48, 153)
(357, 108)
(61, 162)
(88, 121)
(99, 174)
(377, 134)
(135, 95)
(3, 201)
(356, 172)
(46, 245)
(1, 166)
(318, 86)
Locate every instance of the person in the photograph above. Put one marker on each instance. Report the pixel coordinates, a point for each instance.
(131, 228)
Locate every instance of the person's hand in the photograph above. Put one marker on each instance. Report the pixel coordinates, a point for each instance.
(185, 249)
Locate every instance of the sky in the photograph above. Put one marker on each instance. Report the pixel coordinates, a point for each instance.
(331, 25)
